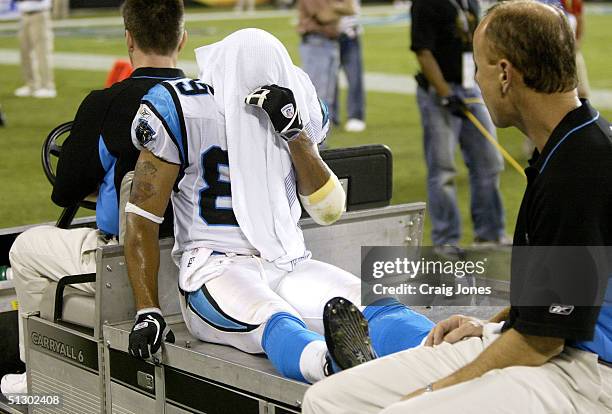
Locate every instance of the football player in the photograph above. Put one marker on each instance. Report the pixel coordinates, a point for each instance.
(234, 156)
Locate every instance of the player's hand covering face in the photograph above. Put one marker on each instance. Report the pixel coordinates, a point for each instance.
(279, 103)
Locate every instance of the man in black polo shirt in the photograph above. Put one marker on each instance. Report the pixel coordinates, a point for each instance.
(94, 159)
(441, 38)
(546, 357)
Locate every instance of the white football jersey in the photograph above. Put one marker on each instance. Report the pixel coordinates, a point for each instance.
(178, 121)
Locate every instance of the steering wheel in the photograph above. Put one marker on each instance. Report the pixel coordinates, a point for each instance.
(52, 149)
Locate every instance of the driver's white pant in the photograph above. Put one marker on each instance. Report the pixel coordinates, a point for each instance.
(44, 254)
(570, 383)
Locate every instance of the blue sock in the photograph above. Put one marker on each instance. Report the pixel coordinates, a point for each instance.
(284, 339)
(395, 327)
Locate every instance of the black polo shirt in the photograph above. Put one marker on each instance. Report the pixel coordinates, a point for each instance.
(99, 150)
(437, 26)
(568, 202)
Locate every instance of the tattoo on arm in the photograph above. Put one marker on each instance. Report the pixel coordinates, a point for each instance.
(143, 189)
(145, 168)
(141, 192)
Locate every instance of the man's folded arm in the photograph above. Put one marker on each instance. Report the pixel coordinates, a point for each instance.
(512, 348)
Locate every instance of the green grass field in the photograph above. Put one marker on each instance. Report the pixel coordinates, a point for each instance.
(393, 119)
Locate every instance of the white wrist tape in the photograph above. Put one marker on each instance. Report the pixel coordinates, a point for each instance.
(133, 208)
(326, 205)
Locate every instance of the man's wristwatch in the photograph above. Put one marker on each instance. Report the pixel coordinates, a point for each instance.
(429, 387)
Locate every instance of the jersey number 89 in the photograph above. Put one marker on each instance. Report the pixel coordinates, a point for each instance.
(215, 197)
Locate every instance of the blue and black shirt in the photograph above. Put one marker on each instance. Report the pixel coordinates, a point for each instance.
(568, 202)
(99, 151)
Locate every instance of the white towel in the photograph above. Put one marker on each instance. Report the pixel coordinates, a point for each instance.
(261, 172)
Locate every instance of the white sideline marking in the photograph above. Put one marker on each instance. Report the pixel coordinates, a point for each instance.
(374, 82)
(366, 10)
(193, 17)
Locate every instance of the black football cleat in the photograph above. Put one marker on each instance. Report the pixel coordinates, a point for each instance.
(346, 334)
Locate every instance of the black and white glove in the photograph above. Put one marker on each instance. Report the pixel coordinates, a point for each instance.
(455, 105)
(279, 104)
(148, 333)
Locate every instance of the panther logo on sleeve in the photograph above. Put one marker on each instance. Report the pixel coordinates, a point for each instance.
(144, 132)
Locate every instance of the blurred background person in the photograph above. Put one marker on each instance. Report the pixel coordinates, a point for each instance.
(61, 9)
(351, 62)
(36, 43)
(442, 33)
(245, 5)
(319, 49)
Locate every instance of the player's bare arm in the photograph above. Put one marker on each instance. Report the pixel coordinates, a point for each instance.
(320, 191)
(153, 181)
(511, 349)
(311, 171)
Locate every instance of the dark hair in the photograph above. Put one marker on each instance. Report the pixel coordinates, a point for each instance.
(157, 26)
(539, 42)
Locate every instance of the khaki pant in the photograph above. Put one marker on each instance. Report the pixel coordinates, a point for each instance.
(44, 254)
(36, 42)
(573, 382)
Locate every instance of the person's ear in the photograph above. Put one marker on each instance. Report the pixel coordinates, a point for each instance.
(504, 75)
(183, 41)
(129, 40)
